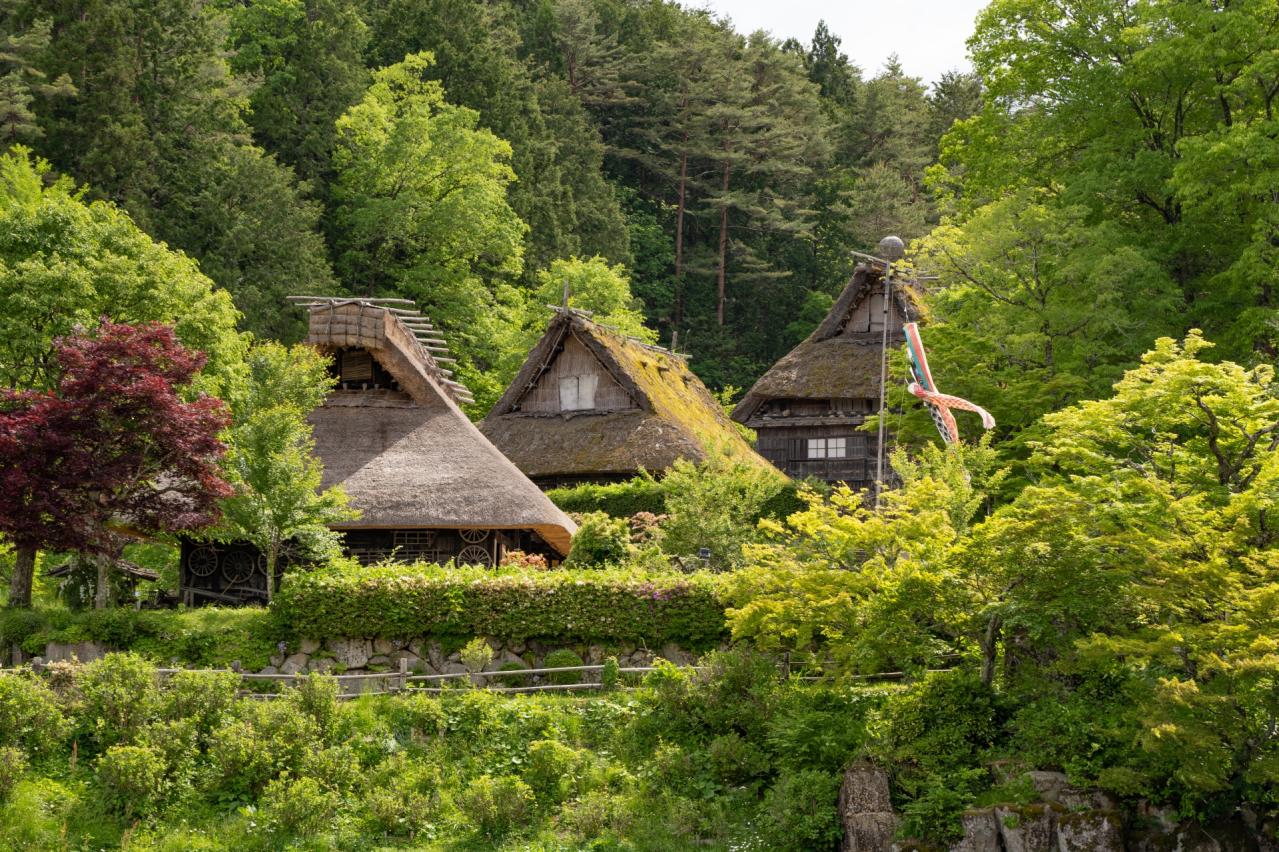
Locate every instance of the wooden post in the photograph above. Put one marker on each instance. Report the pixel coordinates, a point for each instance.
(404, 674)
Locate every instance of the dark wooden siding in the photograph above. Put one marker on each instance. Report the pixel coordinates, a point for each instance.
(786, 446)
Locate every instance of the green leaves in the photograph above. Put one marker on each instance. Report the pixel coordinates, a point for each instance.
(66, 262)
(270, 464)
(421, 600)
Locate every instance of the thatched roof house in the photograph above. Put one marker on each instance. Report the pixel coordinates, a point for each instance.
(592, 405)
(392, 435)
(807, 407)
(429, 486)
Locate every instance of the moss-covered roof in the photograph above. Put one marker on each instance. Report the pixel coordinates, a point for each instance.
(832, 363)
(674, 415)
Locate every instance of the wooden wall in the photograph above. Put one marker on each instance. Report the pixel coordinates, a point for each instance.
(786, 447)
(575, 360)
(868, 316)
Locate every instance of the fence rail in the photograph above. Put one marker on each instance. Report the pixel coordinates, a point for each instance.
(398, 682)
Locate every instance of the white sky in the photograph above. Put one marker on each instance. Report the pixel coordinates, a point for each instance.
(928, 35)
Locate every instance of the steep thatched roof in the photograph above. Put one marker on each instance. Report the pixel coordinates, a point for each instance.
(660, 411)
(409, 457)
(835, 362)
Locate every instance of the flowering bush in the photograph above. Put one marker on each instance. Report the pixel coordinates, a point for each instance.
(570, 606)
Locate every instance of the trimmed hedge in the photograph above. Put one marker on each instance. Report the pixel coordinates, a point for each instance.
(564, 605)
(617, 499)
(643, 494)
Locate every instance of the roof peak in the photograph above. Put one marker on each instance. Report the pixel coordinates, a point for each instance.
(431, 346)
(589, 317)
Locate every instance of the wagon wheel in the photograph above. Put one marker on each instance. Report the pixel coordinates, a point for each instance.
(238, 567)
(475, 555)
(202, 562)
(473, 536)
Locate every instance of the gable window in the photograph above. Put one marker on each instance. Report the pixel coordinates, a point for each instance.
(577, 393)
(827, 448)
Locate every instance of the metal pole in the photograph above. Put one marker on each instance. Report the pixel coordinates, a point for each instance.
(883, 386)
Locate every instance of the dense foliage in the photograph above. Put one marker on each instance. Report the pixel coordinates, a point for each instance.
(111, 755)
(1119, 612)
(113, 446)
(456, 152)
(429, 600)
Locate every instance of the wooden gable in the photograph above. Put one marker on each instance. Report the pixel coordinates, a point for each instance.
(867, 315)
(575, 380)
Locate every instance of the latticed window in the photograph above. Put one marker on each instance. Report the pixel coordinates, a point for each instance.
(827, 448)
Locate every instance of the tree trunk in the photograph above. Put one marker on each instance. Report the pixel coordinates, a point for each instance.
(723, 246)
(678, 310)
(272, 557)
(990, 649)
(24, 570)
(102, 591)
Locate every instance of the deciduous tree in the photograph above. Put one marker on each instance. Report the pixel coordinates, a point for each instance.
(276, 478)
(114, 446)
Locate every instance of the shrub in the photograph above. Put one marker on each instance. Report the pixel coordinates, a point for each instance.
(120, 696)
(563, 658)
(425, 600)
(943, 723)
(548, 768)
(600, 540)
(176, 741)
(618, 499)
(29, 715)
(202, 697)
(736, 761)
(496, 806)
(300, 807)
(610, 675)
(596, 815)
(822, 728)
(512, 679)
(13, 765)
(800, 813)
(476, 654)
(317, 697)
(934, 812)
(273, 737)
(133, 779)
(336, 769)
(716, 505)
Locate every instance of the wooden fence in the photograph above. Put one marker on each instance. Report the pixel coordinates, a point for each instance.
(395, 682)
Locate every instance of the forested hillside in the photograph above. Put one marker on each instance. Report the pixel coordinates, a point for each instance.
(450, 151)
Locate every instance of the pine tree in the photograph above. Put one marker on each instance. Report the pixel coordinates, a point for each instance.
(309, 56)
(158, 127)
(23, 80)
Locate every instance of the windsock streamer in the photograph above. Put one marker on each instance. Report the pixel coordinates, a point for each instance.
(939, 404)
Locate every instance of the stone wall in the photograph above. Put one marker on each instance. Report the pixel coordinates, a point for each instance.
(1065, 819)
(358, 656)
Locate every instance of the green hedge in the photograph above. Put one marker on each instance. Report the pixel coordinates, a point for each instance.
(565, 605)
(642, 494)
(618, 499)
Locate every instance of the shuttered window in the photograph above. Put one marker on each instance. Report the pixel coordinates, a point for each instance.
(577, 393)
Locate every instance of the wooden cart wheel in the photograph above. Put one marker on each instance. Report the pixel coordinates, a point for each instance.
(202, 562)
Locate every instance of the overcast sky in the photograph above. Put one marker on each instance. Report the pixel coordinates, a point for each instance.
(928, 35)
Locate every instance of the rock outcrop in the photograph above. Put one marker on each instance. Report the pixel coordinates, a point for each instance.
(866, 810)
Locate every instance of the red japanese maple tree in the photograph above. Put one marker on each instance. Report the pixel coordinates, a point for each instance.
(114, 447)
